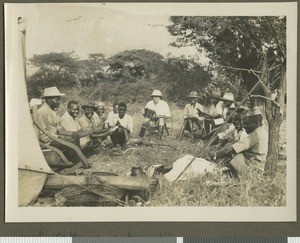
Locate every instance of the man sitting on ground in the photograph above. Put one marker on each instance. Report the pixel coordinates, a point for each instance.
(99, 117)
(112, 114)
(156, 110)
(191, 111)
(251, 151)
(124, 125)
(86, 124)
(234, 133)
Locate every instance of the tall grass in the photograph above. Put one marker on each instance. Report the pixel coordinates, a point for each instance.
(206, 190)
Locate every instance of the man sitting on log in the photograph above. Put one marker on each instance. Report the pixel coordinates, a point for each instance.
(251, 151)
(69, 124)
(48, 120)
(122, 125)
(156, 111)
(191, 112)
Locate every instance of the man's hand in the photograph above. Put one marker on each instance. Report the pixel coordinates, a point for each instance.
(224, 151)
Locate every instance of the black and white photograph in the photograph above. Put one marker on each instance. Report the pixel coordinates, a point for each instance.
(150, 112)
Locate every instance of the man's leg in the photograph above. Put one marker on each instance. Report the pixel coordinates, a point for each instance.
(118, 137)
(145, 125)
(70, 154)
(113, 138)
(161, 123)
(239, 164)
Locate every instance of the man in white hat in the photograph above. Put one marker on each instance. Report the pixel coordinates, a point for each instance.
(249, 152)
(226, 102)
(48, 120)
(192, 111)
(156, 110)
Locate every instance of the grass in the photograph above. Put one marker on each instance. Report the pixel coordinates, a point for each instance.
(207, 190)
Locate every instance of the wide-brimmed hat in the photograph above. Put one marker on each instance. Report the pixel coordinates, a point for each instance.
(156, 93)
(227, 97)
(89, 105)
(52, 92)
(193, 94)
(253, 112)
(215, 94)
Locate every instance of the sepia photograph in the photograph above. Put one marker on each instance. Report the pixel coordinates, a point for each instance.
(150, 112)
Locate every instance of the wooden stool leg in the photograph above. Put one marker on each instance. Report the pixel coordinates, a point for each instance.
(191, 126)
(181, 130)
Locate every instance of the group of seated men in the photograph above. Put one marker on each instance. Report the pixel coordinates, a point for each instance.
(88, 130)
(245, 140)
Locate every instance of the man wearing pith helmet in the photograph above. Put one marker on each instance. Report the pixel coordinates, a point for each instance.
(156, 110)
(250, 152)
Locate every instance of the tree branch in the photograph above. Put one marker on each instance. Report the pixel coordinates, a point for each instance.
(264, 97)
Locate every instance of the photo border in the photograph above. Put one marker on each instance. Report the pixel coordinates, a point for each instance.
(165, 229)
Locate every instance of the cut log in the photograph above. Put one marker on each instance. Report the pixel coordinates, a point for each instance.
(121, 182)
(80, 196)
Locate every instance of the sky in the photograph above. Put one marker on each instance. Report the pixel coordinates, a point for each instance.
(98, 29)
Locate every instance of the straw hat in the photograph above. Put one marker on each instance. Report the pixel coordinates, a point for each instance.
(156, 93)
(215, 94)
(52, 92)
(227, 97)
(89, 105)
(193, 94)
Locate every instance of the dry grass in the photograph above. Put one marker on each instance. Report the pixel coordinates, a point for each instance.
(208, 190)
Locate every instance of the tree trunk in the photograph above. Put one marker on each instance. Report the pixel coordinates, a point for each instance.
(274, 122)
(274, 115)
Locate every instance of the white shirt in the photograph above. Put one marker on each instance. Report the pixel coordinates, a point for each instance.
(68, 123)
(232, 134)
(254, 146)
(191, 111)
(222, 110)
(161, 108)
(126, 121)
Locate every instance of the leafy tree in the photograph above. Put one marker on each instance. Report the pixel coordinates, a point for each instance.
(182, 75)
(53, 69)
(253, 48)
(93, 70)
(134, 65)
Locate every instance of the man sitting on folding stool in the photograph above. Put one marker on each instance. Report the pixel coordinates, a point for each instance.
(193, 121)
(156, 111)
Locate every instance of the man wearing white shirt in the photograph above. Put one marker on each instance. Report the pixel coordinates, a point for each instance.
(125, 126)
(156, 110)
(250, 152)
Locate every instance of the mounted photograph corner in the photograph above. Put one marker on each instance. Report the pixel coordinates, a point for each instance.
(152, 108)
